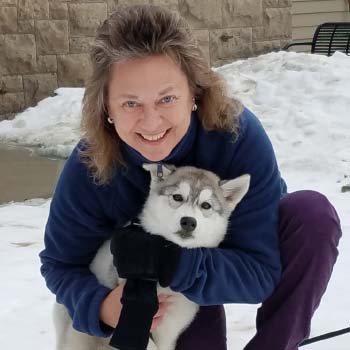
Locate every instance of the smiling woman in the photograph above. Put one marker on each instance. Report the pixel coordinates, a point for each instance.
(144, 116)
(152, 98)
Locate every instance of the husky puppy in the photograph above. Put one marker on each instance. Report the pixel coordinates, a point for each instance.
(186, 205)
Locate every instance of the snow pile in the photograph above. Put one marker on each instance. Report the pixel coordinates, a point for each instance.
(52, 126)
(303, 102)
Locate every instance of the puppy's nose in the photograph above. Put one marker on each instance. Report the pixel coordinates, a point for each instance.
(188, 224)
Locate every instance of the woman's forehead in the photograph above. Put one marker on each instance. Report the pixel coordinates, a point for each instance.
(159, 65)
(155, 74)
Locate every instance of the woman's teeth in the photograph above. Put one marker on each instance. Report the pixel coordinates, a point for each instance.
(153, 137)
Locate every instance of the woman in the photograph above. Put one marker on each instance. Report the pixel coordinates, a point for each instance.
(153, 98)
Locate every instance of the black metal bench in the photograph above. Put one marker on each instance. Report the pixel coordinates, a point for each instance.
(328, 38)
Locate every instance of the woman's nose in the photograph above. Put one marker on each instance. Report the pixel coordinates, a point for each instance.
(151, 118)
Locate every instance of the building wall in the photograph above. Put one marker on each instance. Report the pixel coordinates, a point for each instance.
(308, 14)
(44, 43)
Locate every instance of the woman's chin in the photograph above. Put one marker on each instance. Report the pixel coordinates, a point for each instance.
(155, 156)
(155, 152)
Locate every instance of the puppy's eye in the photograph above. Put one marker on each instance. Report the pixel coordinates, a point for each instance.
(206, 205)
(177, 198)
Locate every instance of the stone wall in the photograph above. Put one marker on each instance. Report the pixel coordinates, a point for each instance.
(44, 43)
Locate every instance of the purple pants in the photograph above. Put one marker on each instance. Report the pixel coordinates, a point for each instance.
(309, 231)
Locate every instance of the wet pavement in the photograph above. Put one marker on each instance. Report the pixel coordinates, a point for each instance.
(25, 175)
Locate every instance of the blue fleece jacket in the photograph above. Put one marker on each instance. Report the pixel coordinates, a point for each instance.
(243, 269)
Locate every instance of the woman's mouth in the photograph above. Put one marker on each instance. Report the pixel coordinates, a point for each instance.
(155, 138)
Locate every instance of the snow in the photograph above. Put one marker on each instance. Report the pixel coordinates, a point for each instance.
(52, 126)
(303, 102)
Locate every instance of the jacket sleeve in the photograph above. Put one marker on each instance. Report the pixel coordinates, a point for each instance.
(76, 227)
(246, 266)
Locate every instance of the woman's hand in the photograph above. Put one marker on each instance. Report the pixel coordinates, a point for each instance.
(164, 302)
(111, 306)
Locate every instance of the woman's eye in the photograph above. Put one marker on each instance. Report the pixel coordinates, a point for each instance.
(177, 198)
(130, 104)
(206, 205)
(168, 99)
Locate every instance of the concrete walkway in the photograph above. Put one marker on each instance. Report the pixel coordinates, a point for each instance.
(24, 175)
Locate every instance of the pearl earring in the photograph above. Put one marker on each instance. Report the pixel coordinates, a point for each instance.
(194, 107)
(110, 120)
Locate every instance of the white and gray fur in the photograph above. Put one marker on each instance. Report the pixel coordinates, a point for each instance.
(188, 206)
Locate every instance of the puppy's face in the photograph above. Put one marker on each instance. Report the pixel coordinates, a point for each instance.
(191, 207)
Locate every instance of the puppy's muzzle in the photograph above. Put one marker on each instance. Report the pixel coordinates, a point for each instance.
(188, 225)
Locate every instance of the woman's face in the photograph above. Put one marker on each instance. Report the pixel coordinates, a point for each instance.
(150, 103)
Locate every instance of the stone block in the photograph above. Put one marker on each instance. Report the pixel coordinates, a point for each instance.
(26, 26)
(19, 53)
(12, 103)
(202, 37)
(46, 64)
(80, 44)
(169, 4)
(33, 9)
(277, 3)
(8, 3)
(196, 13)
(52, 37)
(229, 44)
(262, 47)
(73, 69)
(2, 61)
(8, 20)
(12, 83)
(111, 6)
(84, 18)
(58, 10)
(258, 33)
(242, 13)
(133, 2)
(38, 87)
(277, 23)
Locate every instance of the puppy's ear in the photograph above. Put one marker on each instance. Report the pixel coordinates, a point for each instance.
(159, 171)
(234, 190)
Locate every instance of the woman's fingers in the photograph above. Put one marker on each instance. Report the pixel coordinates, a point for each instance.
(161, 309)
(163, 297)
(156, 322)
(158, 317)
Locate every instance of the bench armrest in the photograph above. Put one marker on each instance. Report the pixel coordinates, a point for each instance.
(286, 47)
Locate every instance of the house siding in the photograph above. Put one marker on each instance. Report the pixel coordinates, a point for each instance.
(308, 14)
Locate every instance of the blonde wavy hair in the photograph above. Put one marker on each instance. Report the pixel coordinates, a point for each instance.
(135, 32)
